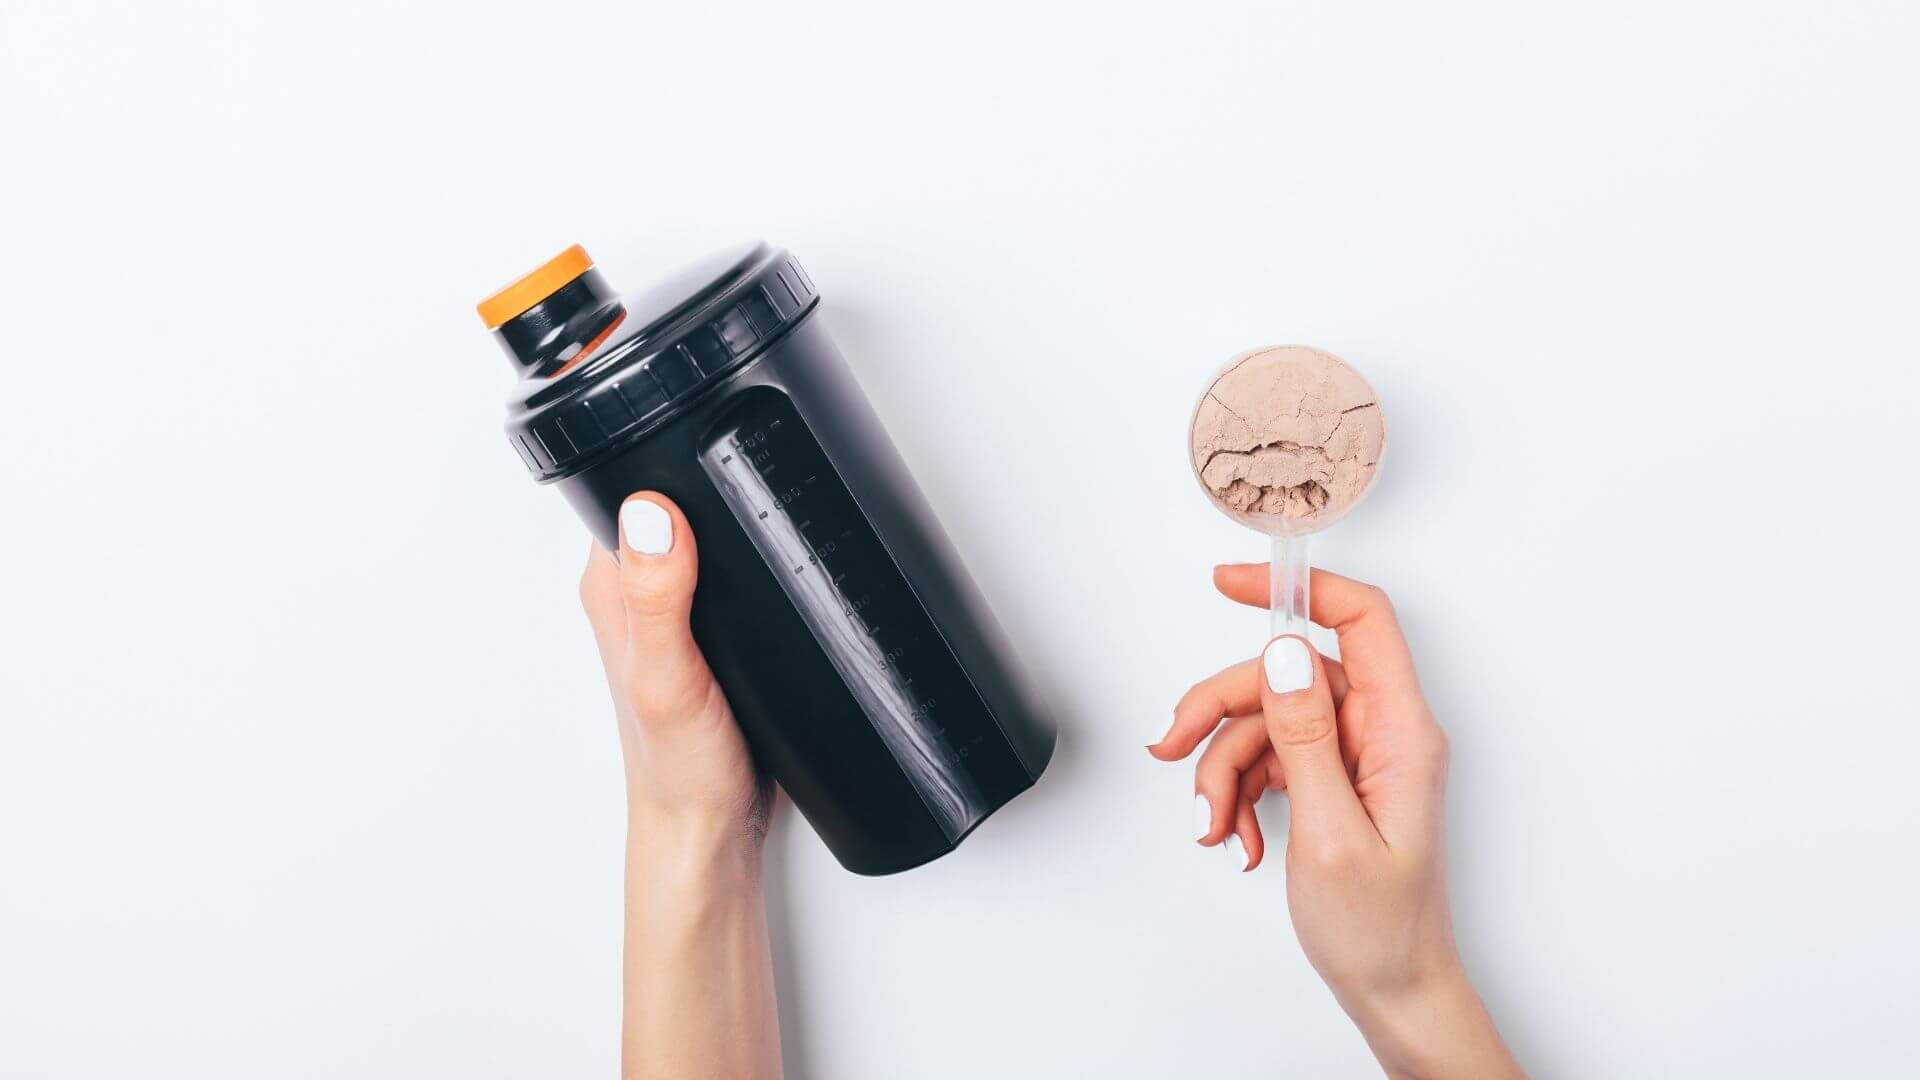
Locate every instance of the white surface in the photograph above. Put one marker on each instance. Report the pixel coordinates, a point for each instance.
(306, 767)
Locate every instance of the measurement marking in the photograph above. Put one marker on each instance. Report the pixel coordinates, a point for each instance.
(763, 515)
(804, 524)
(724, 458)
(839, 576)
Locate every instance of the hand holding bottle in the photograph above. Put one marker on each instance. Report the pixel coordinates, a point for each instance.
(699, 979)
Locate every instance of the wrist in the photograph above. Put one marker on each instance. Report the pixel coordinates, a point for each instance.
(692, 859)
(699, 997)
(1432, 1026)
(1433, 973)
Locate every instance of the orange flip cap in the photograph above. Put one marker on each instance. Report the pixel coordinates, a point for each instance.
(543, 282)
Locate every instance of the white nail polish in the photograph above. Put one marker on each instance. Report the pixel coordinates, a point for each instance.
(1289, 665)
(647, 526)
(1237, 850)
(1202, 817)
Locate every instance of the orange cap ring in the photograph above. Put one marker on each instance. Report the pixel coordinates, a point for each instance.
(545, 280)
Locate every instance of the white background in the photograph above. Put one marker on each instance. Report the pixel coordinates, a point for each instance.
(306, 767)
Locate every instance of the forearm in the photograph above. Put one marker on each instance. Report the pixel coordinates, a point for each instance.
(1436, 1031)
(699, 995)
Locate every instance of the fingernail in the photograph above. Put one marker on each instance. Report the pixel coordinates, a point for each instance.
(1289, 665)
(1202, 817)
(648, 527)
(1157, 736)
(1238, 850)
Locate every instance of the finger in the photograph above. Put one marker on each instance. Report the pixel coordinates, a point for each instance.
(1306, 743)
(1371, 644)
(1246, 844)
(606, 612)
(1264, 776)
(1408, 808)
(667, 677)
(1336, 680)
(1216, 778)
(1233, 692)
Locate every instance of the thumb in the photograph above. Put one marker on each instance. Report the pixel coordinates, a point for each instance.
(1306, 742)
(667, 678)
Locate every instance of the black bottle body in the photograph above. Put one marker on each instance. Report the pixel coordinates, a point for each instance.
(868, 674)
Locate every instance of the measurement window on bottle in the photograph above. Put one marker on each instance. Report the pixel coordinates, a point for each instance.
(833, 566)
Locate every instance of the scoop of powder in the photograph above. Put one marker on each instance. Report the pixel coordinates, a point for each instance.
(1288, 430)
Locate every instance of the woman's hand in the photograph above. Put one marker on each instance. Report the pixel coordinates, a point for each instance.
(1364, 765)
(690, 781)
(699, 975)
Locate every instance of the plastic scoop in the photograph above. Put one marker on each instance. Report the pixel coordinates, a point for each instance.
(1286, 440)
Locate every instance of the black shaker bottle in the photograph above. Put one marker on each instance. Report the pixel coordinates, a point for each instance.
(866, 670)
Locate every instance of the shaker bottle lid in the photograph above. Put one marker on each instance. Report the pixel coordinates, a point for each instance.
(543, 281)
(600, 369)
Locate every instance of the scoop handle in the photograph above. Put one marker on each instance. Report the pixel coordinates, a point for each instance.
(1289, 579)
